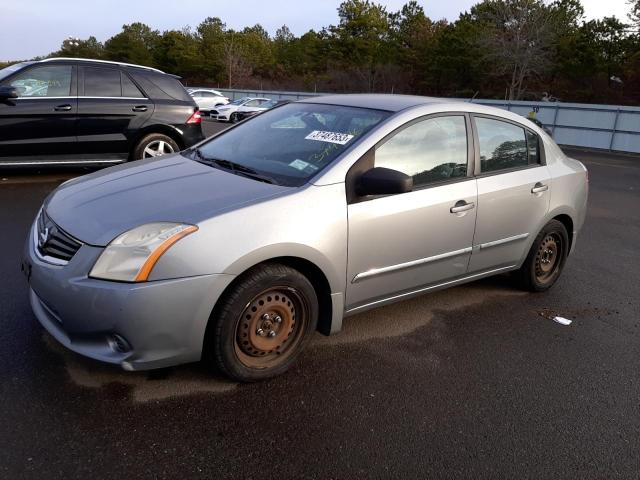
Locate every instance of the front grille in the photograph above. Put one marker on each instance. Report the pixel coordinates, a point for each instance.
(54, 242)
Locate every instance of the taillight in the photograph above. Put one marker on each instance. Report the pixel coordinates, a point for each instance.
(195, 118)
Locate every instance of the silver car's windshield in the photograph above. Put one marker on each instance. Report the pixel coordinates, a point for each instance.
(5, 72)
(290, 144)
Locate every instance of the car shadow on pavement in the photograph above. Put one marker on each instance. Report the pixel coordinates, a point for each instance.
(386, 322)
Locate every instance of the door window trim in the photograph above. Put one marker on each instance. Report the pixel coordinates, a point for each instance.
(367, 161)
(476, 137)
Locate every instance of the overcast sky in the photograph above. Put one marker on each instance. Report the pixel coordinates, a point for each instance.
(37, 27)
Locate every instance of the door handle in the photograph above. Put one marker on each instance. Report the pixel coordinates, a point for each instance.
(140, 108)
(462, 206)
(62, 108)
(539, 188)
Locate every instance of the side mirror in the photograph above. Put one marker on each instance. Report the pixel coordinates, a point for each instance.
(383, 181)
(8, 92)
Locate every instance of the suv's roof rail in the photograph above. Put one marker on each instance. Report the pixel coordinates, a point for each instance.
(102, 61)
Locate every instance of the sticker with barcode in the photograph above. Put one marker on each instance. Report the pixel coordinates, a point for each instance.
(330, 137)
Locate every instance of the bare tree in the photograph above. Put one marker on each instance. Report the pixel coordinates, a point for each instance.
(234, 58)
(517, 40)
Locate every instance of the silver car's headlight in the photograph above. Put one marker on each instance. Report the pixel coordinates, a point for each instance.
(131, 256)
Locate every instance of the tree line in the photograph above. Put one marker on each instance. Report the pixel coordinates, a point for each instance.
(513, 49)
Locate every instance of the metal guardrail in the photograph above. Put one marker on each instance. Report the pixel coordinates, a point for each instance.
(606, 127)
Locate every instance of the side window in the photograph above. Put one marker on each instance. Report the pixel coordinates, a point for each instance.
(49, 81)
(129, 88)
(196, 94)
(208, 94)
(502, 145)
(251, 103)
(430, 151)
(102, 82)
(533, 146)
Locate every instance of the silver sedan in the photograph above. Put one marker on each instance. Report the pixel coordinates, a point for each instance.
(233, 252)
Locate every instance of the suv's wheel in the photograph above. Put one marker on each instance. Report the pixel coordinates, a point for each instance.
(546, 258)
(259, 328)
(234, 118)
(155, 145)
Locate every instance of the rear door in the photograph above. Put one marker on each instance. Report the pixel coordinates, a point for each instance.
(513, 192)
(40, 124)
(111, 110)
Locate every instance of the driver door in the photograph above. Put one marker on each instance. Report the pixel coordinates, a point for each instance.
(40, 125)
(402, 243)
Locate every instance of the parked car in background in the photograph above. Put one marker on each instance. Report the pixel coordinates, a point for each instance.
(207, 99)
(67, 111)
(289, 222)
(263, 108)
(231, 111)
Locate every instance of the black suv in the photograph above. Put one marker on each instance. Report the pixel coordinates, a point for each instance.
(64, 110)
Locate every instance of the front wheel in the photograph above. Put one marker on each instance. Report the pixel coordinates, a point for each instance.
(154, 145)
(546, 258)
(261, 325)
(234, 118)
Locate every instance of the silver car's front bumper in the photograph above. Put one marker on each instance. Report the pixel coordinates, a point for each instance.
(162, 323)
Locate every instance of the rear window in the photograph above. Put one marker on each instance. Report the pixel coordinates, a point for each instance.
(166, 86)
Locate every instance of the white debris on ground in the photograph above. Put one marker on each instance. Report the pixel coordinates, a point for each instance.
(562, 321)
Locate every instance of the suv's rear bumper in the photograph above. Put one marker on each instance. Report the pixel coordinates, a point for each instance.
(191, 134)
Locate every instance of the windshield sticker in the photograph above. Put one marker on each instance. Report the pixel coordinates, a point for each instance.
(303, 166)
(330, 137)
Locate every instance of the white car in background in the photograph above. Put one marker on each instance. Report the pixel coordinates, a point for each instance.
(228, 113)
(208, 99)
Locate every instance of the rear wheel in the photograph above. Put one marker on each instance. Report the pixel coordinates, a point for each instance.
(155, 145)
(259, 328)
(546, 258)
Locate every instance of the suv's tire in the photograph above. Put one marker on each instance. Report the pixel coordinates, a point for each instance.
(261, 325)
(546, 258)
(154, 145)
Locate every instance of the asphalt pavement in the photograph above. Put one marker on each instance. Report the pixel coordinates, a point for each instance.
(473, 382)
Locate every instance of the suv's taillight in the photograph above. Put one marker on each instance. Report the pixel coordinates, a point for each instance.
(195, 118)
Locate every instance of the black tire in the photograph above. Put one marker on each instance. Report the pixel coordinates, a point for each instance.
(546, 259)
(260, 326)
(234, 118)
(149, 143)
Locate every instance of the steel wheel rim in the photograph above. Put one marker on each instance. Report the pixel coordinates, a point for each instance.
(270, 327)
(157, 148)
(548, 257)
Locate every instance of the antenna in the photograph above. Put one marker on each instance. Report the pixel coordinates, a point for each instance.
(474, 96)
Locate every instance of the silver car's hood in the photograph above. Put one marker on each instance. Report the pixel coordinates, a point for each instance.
(100, 206)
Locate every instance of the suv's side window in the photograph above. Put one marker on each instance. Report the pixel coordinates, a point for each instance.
(129, 88)
(502, 145)
(102, 82)
(46, 81)
(430, 151)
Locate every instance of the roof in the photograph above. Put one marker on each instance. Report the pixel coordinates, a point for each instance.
(90, 60)
(378, 101)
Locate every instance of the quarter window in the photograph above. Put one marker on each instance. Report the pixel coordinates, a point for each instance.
(430, 151)
(49, 81)
(129, 88)
(502, 145)
(102, 82)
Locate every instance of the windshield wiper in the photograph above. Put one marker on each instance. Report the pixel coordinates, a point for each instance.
(233, 167)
